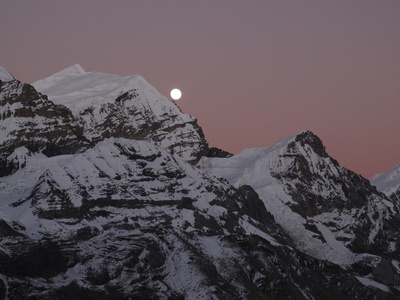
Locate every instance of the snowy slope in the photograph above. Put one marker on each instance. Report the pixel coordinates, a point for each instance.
(111, 105)
(323, 207)
(256, 168)
(79, 90)
(388, 183)
(126, 220)
(4, 75)
(117, 171)
(122, 189)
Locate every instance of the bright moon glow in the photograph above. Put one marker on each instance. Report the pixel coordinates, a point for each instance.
(176, 94)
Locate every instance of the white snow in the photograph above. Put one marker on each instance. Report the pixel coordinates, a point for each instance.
(91, 97)
(255, 167)
(4, 75)
(369, 282)
(388, 182)
(96, 172)
(340, 249)
(184, 276)
(250, 229)
(78, 90)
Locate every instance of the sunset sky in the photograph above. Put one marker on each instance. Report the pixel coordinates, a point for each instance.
(252, 72)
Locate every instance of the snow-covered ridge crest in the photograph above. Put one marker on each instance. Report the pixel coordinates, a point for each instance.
(78, 89)
(124, 106)
(325, 208)
(261, 169)
(4, 75)
(388, 182)
(72, 70)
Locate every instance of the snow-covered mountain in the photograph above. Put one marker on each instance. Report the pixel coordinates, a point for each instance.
(115, 106)
(4, 75)
(101, 198)
(389, 183)
(320, 204)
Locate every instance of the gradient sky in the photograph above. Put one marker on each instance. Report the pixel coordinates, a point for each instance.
(252, 72)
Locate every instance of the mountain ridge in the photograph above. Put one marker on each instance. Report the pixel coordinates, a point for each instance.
(133, 204)
(330, 212)
(4, 75)
(115, 106)
(389, 182)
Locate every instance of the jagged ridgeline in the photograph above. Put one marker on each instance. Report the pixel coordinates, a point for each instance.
(85, 108)
(109, 191)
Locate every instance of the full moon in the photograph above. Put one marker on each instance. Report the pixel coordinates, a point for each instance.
(176, 94)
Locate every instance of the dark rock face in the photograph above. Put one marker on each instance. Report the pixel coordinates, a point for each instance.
(252, 205)
(124, 120)
(395, 196)
(35, 121)
(7, 231)
(29, 119)
(216, 152)
(43, 259)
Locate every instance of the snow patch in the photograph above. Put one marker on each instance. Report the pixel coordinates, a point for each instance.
(373, 283)
(4, 75)
(388, 182)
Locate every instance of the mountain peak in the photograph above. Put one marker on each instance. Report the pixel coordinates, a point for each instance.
(389, 183)
(306, 137)
(4, 75)
(124, 106)
(65, 74)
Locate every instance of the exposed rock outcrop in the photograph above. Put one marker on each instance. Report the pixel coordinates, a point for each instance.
(29, 119)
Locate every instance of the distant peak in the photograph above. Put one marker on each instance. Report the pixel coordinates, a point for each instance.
(4, 75)
(77, 68)
(309, 138)
(306, 134)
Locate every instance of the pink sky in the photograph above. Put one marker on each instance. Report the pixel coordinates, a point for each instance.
(252, 72)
